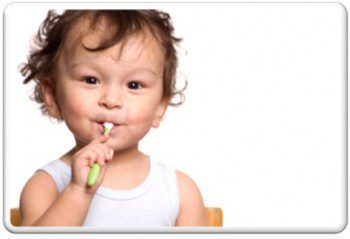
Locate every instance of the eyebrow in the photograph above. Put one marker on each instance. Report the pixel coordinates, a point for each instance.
(137, 68)
(145, 69)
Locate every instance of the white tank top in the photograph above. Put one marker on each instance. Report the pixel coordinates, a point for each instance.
(154, 203)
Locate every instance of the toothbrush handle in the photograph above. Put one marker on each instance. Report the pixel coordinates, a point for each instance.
(93, 174)
(96, 168)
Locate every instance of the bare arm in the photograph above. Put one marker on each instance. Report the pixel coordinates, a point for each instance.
(192, 211)
(42, 205)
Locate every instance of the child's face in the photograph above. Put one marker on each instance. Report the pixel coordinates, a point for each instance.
(104, 86)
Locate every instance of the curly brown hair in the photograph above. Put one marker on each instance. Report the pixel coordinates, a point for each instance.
(40, 65)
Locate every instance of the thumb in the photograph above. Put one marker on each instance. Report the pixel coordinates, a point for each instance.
(101, 139)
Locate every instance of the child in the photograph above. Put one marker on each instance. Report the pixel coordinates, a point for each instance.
(92, 67)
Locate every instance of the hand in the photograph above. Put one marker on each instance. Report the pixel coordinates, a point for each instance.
(94, 152)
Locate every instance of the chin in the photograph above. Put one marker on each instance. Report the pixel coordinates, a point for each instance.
(120, 146)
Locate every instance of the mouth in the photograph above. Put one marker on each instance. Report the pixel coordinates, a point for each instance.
(102, 127)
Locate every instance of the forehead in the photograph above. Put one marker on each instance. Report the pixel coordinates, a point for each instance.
(139, 49)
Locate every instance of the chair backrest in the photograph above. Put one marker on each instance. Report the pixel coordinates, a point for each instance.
(213, 216)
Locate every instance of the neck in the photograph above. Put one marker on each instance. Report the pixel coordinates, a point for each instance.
(125, 157)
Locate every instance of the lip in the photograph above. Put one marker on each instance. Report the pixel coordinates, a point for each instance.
(114, 128)
(108, 121)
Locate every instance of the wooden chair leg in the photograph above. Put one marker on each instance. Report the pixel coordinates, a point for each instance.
(213, 216)
(15, 217)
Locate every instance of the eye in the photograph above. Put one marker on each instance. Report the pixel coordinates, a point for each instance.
(90, 80)
(134, 85)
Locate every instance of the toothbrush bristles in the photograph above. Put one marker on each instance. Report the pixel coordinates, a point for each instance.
(108, 126)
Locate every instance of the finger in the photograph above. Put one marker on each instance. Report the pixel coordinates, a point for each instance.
(107, 150)
(89, 156)
(102, 174)
(101, 139)
(111, 153)
(100, 159)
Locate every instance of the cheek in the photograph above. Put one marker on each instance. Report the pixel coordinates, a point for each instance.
(74, 117)
(71, 104)
(75, 109)
(141, 115)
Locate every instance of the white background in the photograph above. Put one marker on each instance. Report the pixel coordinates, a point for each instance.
(262, 131)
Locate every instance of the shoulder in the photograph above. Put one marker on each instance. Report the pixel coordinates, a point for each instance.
(186, 184)
(192, 211)
(40, 180)
(37, 195)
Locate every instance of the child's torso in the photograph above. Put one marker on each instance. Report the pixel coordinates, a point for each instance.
(154, 202)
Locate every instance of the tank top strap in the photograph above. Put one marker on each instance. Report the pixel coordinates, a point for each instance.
(59, 172)
(170, 178)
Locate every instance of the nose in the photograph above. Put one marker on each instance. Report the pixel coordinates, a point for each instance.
(111, 97)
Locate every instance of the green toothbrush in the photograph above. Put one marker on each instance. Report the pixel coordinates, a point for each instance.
(96, 168)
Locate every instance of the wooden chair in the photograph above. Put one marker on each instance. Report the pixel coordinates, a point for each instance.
(213, 216)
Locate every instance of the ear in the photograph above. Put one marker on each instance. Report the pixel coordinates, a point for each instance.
(50, 102)
(163, 105)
